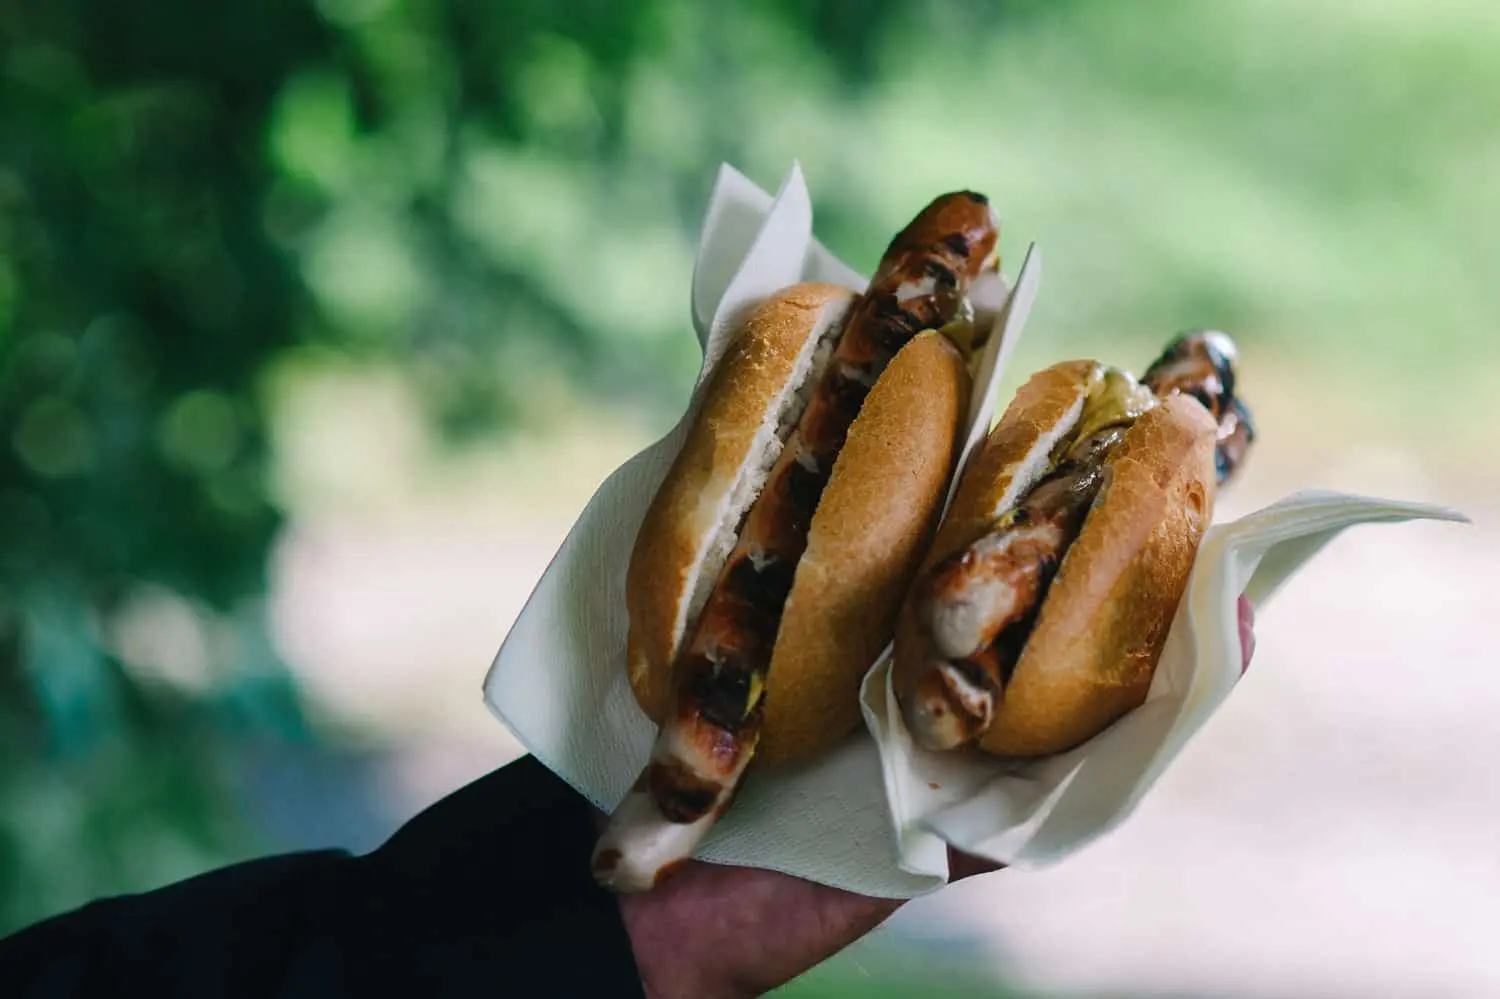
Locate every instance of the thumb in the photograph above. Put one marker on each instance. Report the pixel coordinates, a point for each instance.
(1247, 631)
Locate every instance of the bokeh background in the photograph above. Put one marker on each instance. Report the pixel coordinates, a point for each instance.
(321, 321)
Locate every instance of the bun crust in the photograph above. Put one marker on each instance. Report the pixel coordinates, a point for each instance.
(1094, 649)
(868, 534)
(1001, 469)
(1012, 456)
(871, 527)
(709, 485)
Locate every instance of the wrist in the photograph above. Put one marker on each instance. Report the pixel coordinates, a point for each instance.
(729, 933)
(669, 957)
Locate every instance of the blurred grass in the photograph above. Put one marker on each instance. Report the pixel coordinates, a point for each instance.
(888, 972)
(267, 261)
(871, 973)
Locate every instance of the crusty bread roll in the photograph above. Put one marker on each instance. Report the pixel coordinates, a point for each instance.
(1090, 654)
(872, 524)
(1093, 651)
(769, 568)
(1015, 453)
(757, 391)
(875, 520)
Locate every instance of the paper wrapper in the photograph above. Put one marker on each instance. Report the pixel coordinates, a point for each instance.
(874, 815)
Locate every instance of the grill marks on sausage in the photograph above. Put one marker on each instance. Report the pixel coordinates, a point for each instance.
(943, 278)
(1192, 366)
(765, 584)
(721, 674)
(1236, 434)
(1002, 577)
(738, 626)
(893, 322)
(607, 861)
(994, 665)
(722, 690)
(976, 590)
(1196, 365)
(682, 795)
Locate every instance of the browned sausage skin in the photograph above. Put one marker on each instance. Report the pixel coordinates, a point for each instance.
(710, 736)
(1201, 364)
(921, 281)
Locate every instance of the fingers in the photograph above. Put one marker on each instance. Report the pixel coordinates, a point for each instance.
(963, 865)
(1247, 632)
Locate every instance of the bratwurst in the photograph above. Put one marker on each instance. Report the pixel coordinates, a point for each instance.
(776, 554)
(921, 284)
(976, 605)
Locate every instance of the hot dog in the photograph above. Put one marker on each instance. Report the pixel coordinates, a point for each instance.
(770, 565)
(1040, 611)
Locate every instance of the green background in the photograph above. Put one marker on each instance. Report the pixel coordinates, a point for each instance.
(205, 207)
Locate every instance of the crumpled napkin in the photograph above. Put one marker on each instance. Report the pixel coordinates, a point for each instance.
(1035, 813)
(873, 816)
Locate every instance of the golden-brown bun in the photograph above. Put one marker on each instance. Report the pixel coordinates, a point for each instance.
(1092, 654)
(872, 525)
(731, 444)
(1014, 455)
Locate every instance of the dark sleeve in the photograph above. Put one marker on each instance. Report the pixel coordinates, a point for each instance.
(487, 893)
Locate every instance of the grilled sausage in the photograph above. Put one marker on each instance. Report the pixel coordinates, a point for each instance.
(710, 736)
(975, 605)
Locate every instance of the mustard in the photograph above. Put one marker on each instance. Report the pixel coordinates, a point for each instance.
(962, 329)
(757, 688)
(1115, 399)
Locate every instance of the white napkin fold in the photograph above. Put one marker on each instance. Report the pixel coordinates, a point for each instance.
(874, 815)
(1036, 813)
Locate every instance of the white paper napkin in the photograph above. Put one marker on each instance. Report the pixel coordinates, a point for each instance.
(873, 816)
(1036, 813)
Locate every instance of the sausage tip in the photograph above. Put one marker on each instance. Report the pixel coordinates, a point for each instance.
(641, 847)
(948, 710)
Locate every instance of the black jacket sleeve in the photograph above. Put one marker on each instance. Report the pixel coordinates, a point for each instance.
(487, 893)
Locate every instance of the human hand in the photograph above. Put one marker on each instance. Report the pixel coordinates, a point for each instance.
(716, 932)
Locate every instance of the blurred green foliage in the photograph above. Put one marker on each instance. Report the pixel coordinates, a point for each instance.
(500, 199)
